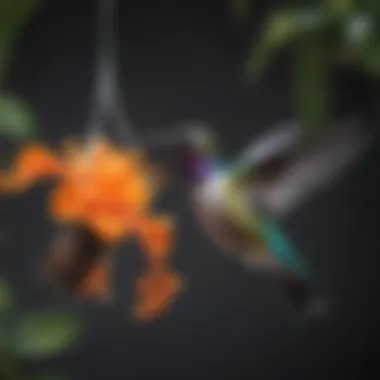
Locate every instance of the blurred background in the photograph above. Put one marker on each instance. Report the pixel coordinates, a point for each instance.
(242, 66)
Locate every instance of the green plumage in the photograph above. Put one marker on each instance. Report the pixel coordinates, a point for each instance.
(281, 248)
(262, 228)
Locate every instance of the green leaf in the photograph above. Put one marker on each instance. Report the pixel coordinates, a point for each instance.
(45, 334)
(312, 90)
(281, 28)
(368, 49)
(17, 121)
(369, 59)
(358, 29)
(6, 298)
(339, 7)
(259, 57)
(14, 16)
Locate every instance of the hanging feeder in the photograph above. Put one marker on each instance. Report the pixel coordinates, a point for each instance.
(103, 194)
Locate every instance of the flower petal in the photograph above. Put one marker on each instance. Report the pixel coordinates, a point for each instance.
(32, 164)
(36, 162)
(155, 293)
(156, 235)
(64, 204)
(109, 228)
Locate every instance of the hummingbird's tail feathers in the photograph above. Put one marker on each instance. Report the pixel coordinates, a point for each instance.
(298, 292)
(282, 250)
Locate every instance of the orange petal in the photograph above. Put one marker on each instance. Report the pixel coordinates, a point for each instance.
(156, 235)
(108, 228)
(155, 292)
(34, 163)
(97, 282)
(65, 204)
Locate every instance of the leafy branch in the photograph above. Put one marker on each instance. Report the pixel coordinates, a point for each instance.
(25, 337)
(17, 121)
(325, 34)
(31, 336)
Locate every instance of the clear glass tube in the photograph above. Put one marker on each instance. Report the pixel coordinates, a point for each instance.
(107, 113)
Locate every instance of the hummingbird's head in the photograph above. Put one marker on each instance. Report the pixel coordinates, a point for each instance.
(200, 138)
(191, 148)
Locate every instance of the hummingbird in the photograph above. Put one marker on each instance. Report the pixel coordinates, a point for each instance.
(240, 204)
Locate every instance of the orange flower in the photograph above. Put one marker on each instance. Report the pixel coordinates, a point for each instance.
(110, 191)
(101, 186)
(106, 189)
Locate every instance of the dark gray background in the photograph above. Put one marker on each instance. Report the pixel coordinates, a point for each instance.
(183, 60)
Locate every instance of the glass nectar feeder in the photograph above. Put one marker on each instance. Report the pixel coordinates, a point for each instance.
(105, 188)
(108, 120)
(107, 114)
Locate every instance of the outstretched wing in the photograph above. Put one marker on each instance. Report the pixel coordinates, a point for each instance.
(287, 169)
(272, 145)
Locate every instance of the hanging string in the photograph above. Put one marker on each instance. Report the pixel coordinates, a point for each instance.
(107, 114)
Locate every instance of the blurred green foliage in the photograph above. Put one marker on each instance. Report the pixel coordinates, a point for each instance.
(325, 34)
(29, 336)
(25, 337)
(17, 121)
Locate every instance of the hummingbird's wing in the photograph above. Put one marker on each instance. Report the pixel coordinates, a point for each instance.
(277, 143)
(293, 170)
